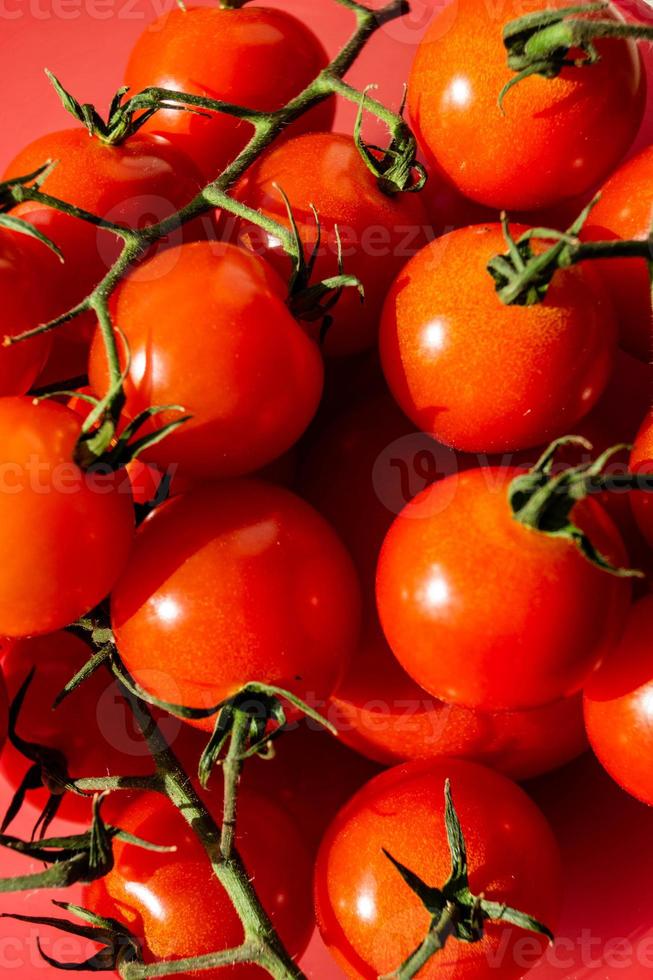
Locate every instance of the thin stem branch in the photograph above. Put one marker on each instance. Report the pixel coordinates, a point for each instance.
(435, 941)
(110, 784)
(230, 957)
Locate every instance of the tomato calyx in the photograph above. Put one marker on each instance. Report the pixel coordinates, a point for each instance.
(12, 192)
(541, 43)
(125, 117)
(395, 167)
(456, 913)
(543, 499)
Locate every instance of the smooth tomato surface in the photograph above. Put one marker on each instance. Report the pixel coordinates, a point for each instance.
(482, 376)
(379, 232)
(254, 57)
(65, 534)
(92, 729)
(233, 584)
(619, 706)
(625, 211)
(484, 612)
(208, 329)
(23, 305)
(174, 902)
(550, 141)
(136, 183)
(371, 921)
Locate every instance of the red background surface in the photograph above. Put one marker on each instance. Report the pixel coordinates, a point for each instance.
(607, 839)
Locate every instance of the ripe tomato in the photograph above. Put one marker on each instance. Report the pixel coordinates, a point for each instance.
(176, 905)
(65, 534)
(641, 461)
(254, 57)
(464, 591)
(93, 728)
(379, 232)
(23, 296)
(445, 335)
(233, 584)
(369, 918)
(550, 142)
(625, 211)
(242, 367)
(618, 706)
(138, 182)
(4, 712)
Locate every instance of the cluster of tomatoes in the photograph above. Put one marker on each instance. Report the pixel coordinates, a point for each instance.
(336, 516)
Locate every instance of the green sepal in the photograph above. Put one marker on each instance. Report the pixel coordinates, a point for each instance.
(21, 227)
(92, 665)
(396, 165)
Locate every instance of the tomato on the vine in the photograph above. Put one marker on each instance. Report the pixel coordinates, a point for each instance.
(92, 729)
(232, 584)
(488, 613)
(23, 302)
(482, 376)
(549, 140)
(208, 329)
(65, 533)
(625, 211)
(135, 183)
(371, 920)
(175, 904)
(641, 461)
(619, 706)
(378, 231)
(253, 57)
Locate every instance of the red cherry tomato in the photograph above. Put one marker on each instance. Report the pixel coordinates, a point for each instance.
(241, 366)
(549, 143)
(641, 461)
(23, 298)
(625, 211)
(173, 901)
(464, 591)
(136, 183)
(369, 918)
(379, 232)
(232, 584)
(65, 533)
(254, 57)
(619, 706)
(93, 728)
(485, 377)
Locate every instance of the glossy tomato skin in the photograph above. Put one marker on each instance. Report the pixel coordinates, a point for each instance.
(138, 182)
(242, 367)
(624, 212)
(23, 303)
(618, 706)
(371, 921)
(486, 613)
(379, 232)
(641, 461)
(84, 521)
(232, 584)
(173, 901)
(549, 142)
(469, 370)
(93, 728)
(254, 57)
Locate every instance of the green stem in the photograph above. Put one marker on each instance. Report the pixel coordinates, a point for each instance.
(232, 768)
(110, 784)
(246, 953)
(435, 941)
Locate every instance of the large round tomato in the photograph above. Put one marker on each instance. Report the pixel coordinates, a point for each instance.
(619, 706)
(625, 211)
(549, 142)
(379, 232)
(138, 182)
(369, 918)
(254, 57)
(484, 612)
(93, 729)
(207, 328)
(232, 584)
(175, 903)
(482, 376)
(23, 304)
(65, 533)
